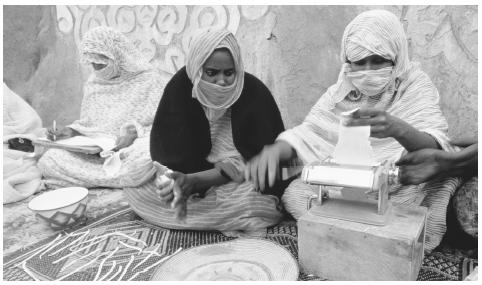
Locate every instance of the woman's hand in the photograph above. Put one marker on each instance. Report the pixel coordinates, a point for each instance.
(128, 135)
(174, 188)
(423, 165)
(64, 133)
(124, 141)
(230, 170)
(266, 164)
(382, 124)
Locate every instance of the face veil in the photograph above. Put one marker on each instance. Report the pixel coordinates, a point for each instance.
(214, 99)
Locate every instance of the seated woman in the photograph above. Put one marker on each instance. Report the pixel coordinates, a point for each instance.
(213, 117)
(21, 125)
(396, 99)
(119, 101)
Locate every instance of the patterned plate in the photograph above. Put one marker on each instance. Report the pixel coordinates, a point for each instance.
(239, 259)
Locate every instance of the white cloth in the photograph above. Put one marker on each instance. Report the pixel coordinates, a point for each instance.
(20, 120)
(21, 177)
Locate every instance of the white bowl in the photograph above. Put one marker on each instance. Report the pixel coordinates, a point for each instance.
(60, 207)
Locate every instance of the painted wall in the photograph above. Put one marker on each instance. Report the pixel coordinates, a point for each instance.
(293, 49)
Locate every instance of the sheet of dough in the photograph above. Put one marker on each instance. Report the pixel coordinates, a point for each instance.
(353, 146)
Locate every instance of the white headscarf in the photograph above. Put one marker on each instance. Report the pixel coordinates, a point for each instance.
(374, 32)
(215, 99)
(125, 92)
(105, 45)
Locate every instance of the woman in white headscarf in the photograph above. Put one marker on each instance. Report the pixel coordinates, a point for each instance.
(119, 101)
(213, 117)
(396, 99)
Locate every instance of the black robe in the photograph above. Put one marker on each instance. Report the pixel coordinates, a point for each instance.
(181, 137)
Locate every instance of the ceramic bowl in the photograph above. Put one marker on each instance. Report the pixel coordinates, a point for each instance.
(60, 207)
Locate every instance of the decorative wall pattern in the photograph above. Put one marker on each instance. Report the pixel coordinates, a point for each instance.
(444, 40)
(163, 33)
(294, 50)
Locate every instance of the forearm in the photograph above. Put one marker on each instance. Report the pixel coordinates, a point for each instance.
(464, 162)
(412, 139)
(286, 151)
(206, 179)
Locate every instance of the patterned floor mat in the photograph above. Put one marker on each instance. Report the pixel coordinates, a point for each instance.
(121, 246)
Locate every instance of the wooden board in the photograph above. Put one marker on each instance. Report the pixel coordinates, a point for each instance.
(82, 149)
(345, 250)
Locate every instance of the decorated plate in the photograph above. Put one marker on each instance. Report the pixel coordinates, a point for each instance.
(239, 259)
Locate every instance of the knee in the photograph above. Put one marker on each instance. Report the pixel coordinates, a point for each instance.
(295, 198)
(45, 161)
(136, 175)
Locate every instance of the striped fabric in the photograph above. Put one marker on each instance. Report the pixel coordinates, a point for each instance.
(376, 32)
(235, 209)
(414, 100)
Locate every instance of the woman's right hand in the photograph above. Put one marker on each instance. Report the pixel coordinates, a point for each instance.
(174, 188)
(423, 165)
(64, 133)
(164, 185)
(266, 164)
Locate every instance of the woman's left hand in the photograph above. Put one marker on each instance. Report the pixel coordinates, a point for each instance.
(382, 124)
(124, 141)
(230, 170)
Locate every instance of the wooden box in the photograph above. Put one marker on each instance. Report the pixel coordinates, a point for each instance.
(345, 250)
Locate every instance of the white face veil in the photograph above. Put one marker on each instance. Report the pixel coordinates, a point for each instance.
(214, 99)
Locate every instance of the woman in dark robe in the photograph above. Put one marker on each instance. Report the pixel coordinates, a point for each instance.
(212, 118)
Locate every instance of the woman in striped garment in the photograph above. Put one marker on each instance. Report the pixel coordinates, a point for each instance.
(398, 101)
(213, 117)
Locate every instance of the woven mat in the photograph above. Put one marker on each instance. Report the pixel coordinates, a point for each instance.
(137, 247)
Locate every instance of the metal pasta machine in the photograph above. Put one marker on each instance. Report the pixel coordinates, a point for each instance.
(351, 192)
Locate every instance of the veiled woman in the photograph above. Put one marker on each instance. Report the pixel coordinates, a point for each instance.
(396, 99)
(120, 98)
(213, 116)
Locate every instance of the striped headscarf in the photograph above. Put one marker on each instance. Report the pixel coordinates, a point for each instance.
(215, 99)
(376, 32)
